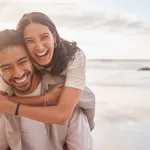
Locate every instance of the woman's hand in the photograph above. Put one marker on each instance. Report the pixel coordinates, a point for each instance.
(53, 94)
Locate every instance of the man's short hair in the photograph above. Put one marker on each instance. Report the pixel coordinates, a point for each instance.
(10, 38)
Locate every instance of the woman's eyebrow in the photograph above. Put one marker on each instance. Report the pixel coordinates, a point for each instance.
(27, 38)
(23, 58)
(44, 34)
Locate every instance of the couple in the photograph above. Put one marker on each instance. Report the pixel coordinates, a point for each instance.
(55, 60)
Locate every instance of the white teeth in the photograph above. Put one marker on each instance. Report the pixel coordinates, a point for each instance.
(21, 80)
(41, 54)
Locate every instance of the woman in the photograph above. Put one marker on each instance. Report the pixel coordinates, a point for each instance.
(60, 57)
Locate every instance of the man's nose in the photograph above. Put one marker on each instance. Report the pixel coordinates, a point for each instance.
(17, 72)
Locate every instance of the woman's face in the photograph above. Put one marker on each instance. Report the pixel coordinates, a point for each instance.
(40, 43)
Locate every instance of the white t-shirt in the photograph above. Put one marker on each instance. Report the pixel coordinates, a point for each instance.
(33, 133)
(75, 73)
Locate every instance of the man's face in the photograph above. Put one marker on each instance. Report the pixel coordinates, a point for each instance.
(16, 68)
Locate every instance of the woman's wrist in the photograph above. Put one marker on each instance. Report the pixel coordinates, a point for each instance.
(51, 100)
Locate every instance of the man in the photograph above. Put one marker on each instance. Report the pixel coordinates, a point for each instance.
(22, 133)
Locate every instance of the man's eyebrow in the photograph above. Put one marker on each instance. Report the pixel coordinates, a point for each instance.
(5, 65)
(23, 58)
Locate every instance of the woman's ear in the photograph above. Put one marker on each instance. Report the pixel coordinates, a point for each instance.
(54, 36)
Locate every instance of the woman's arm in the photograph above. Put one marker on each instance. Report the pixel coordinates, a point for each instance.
(31, 101)
(58, 114)
(52, 95)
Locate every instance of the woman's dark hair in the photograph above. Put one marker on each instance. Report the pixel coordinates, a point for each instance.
(65, 50)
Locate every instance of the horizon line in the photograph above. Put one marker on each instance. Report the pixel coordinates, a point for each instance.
(116, 59)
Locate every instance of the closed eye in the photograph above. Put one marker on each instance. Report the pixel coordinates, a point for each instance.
(45, 37)
(7, 68)
(22, 62)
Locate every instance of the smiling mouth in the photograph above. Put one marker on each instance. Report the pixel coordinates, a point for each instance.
(21, 80)
(42, 54)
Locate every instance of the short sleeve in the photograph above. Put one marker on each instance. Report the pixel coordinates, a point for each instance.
(5, 87)
(75, 71)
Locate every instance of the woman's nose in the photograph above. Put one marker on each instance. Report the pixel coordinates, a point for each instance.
(39, 46)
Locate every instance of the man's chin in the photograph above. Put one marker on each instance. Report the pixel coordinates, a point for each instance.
(22, 90)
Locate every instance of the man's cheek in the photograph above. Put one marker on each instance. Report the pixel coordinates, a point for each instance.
(5, 77)
(1, 75)
(29, 66)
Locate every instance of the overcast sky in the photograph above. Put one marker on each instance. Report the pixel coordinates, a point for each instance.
(102, 28)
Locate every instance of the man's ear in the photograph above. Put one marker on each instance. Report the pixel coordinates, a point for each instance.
(0, 73)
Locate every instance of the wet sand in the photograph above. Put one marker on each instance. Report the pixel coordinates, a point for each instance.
(122, 118)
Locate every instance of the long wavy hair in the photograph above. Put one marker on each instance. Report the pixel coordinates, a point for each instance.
(65, 50)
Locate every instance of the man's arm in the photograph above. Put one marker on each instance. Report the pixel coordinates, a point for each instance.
(78, 133)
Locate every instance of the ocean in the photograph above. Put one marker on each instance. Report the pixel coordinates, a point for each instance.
(122, 104)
